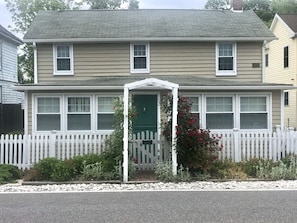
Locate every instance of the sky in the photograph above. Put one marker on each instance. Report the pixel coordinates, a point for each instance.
(5, 16)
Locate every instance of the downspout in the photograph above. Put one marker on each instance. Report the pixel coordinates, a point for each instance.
(35, 63)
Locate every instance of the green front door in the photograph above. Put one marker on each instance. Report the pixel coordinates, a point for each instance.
(146, 106)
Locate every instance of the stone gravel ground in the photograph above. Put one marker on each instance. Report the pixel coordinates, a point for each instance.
(148, 186)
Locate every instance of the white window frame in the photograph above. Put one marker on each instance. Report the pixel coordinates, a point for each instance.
(78, 113)
(63, 72)
(234, 52)
(98, 112)
(267, 110)
(147, 49)
(35, 110)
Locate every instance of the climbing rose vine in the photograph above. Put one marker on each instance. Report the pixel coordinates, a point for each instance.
(196, 148)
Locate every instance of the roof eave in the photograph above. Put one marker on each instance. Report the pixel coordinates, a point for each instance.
(181, 87)
(159, 39)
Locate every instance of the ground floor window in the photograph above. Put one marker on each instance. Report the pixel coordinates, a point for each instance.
(69, 113)
(243, 111)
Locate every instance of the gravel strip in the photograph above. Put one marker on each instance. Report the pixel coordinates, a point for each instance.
(193, 186)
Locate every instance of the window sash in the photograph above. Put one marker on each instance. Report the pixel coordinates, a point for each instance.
(226, 56)
(286, 56)
(139, 58)
(105, 114)
(286, 98)
(79, 105)
(253, 104)
(63, 59)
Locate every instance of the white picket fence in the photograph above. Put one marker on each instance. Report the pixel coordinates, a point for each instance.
(26, 150)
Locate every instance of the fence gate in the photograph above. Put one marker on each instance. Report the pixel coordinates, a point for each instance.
(146, 149)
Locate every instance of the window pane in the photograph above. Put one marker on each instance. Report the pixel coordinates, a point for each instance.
(105, 104)
(79, 122)
(105, 121)
(63, 51)
(48, 122)
(139, 50)
(226, 49)
(226, 63)
(253, 104)
(219, 121)
(253, 121)
(63, 64)
(48, 105)
(195, 104)
(219, 104)
(79, 104)
(139, 62)
(196, 116)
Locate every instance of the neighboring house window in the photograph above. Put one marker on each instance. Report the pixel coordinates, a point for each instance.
(195, 109)
(219, 113)
(79, 113)
(140, 58)
(105, 113)
(286, 57)
(286, 98)
(63, 59)
(48, 115)
(226, 58)
(253, 112)
(266, 60)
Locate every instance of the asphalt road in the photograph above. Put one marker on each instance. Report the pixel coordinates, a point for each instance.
(230, 206)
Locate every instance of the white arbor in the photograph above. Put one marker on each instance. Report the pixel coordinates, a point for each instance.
(149, 84)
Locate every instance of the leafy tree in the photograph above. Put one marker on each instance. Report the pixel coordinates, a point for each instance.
(112, 4)
(261, 7)
(23, 12)
(284, 6)
(217, 4)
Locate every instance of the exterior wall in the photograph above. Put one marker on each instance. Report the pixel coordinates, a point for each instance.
(8, 74)
(276, 73)
(91, 60)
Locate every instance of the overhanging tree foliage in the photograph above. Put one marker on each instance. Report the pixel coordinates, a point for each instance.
(24, 11)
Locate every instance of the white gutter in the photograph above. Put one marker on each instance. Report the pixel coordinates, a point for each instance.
(35, 63)
(61, 87)
(140, 39)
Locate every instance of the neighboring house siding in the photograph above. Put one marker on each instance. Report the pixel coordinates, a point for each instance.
(175, 58)
(275, 71)
(8, 74)
(276, 108)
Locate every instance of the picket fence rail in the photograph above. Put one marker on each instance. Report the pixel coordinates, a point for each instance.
(26, 150)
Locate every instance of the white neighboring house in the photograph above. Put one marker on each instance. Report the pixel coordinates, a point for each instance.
(9, 67)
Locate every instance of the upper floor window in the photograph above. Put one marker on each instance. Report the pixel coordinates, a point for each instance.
(286, 56)
(225, 58)
(286, 98)
(63, 59)
(140, 58)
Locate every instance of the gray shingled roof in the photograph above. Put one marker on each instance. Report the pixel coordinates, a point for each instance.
(4, 33)
(290, 20)
(146, 24)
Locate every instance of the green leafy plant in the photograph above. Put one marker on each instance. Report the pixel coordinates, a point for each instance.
(9, 173)
(92, 171)
(163, 171)
(196, 148)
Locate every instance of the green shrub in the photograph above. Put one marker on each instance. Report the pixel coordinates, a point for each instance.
(92, 171)
(77, 162)
(61, 172)
(163, 171)
(250, 167)
(227, 170)
(9, 173)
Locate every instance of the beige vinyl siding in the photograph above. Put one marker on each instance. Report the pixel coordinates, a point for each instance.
(276, 108)
(30, 112)
(290, 110)
(166, 58)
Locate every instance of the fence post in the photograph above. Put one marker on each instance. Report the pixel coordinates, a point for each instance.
(236, 144)
(52, 143)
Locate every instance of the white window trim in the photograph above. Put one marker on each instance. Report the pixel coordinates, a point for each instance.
(35, 111)
(236, 108)
(227, 72)
(57, 72)
(140, 71)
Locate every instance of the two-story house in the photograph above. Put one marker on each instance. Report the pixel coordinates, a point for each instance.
(10, 101)
(281, 62)
(83, 59)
